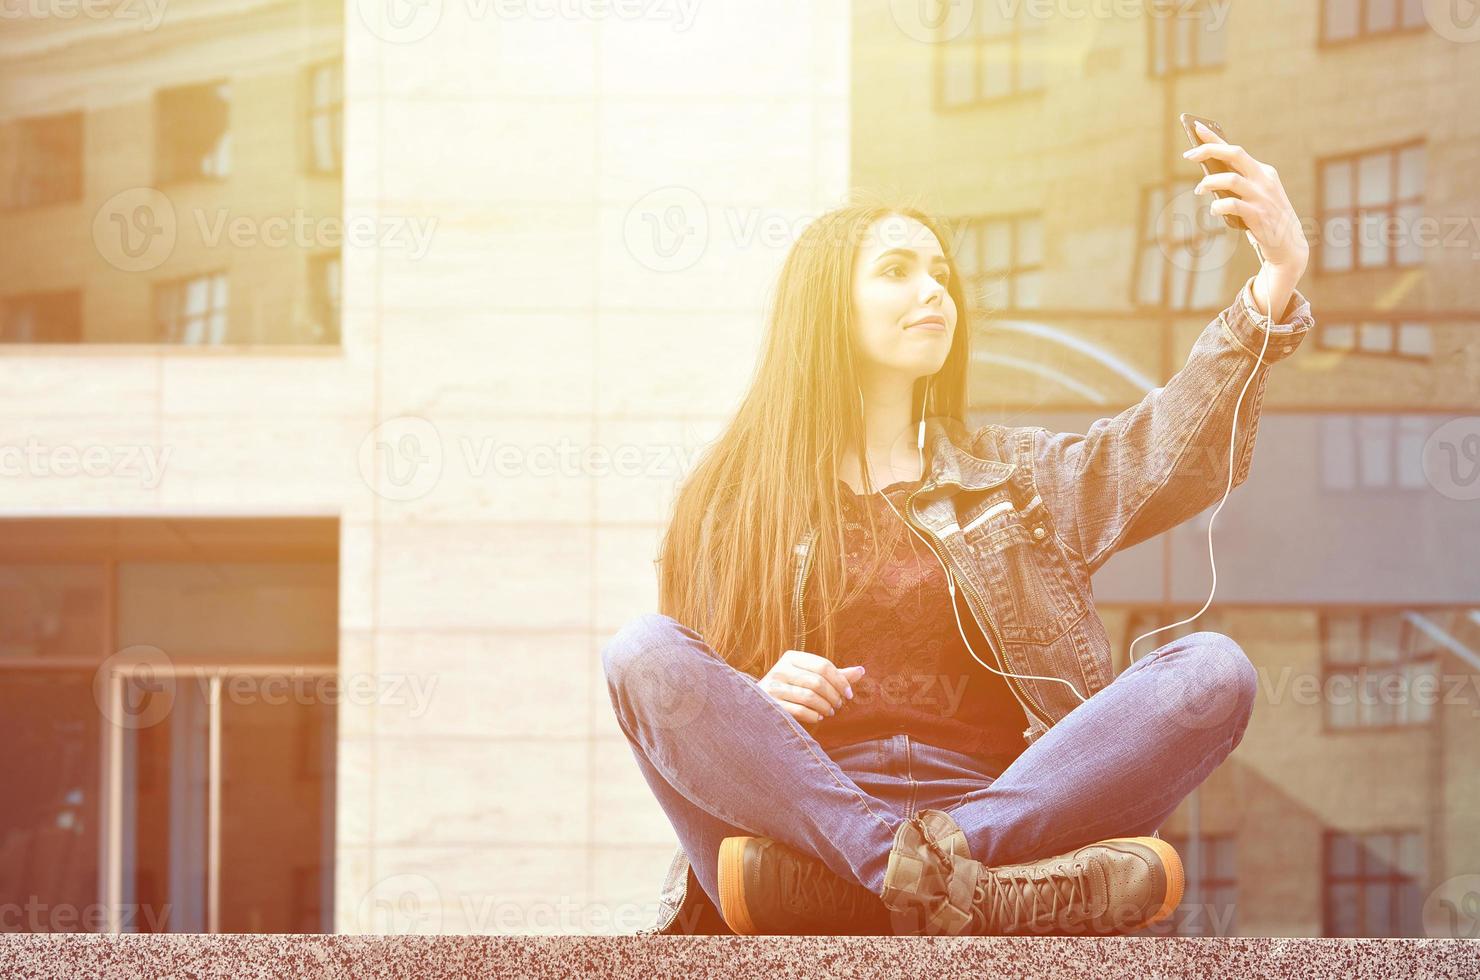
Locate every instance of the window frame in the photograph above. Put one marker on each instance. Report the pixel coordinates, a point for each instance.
(1393, 880)
(1154, 20)
(1362, 35)
(975, 225)
(979, 43)
(160, 336)
(29, 170)
(166, 165)
(1354, 211)
(1394, 325)
(1147, 236)
(1394, 479)
(9, 301)
(313, 111)
(1353, 668)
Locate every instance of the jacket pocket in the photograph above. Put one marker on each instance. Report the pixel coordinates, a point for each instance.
(1025, 567)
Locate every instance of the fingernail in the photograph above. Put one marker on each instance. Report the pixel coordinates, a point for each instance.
(850, 691)
(1187, 153)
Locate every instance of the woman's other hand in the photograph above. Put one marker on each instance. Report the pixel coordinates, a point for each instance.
(809, 687)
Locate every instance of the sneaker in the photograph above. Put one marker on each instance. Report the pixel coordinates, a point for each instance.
(1110, 887)
(769, 889)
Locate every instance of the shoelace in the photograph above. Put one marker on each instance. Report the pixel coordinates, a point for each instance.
(826, 891)
(1006, 900)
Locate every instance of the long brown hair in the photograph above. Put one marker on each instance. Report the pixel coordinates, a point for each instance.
(725, 566)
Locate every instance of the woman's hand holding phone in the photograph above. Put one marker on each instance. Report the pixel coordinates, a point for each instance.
(1265, 208)
(809, 687)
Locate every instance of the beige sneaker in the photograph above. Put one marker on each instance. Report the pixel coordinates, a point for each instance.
(1107, 888)
(933, 887)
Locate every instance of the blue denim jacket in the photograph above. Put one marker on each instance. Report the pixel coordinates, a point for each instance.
(1024, 516)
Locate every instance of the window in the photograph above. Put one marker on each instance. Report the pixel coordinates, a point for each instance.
(42, 318)
(999, 54)
(323, 287)
(1378, 670)
(1389, 337)
(44, 161)
(1212, 912)
(1186, 35)
(1351, 20)
(191, 310)
(1373, 884)
(1371, 452)
(1182, 254)
(1001, 259)
(325, 118)
(116, 745)
(1368, 207)
(192, 132)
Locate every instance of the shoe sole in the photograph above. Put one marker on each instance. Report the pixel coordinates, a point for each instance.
(732, 886)
(1171, 864)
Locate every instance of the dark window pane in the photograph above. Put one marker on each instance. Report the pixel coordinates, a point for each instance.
(49, 828)
(1342, 860)
(52, 611)
(1377, 909)
(193, 135)
(1345, 910)
(46, 161)
(43, 318)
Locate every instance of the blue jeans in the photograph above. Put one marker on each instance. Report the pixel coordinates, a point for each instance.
(724, 759)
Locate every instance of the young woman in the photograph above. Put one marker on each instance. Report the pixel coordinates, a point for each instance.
(894, 710)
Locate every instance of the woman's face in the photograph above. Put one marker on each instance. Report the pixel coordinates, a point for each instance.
(903, 317)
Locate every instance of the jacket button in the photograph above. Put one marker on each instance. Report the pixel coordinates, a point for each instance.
(1039, 532)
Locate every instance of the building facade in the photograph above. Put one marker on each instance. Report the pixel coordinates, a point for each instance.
(352, 353)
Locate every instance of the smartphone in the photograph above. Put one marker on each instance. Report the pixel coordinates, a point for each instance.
(1212, 166)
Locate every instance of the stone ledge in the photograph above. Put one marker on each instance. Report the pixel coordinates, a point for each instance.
(94, 956)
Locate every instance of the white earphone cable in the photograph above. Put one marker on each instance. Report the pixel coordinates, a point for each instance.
(1232, 445)
(950, 582)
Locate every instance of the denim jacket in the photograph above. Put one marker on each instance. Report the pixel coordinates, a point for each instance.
(1024, 516)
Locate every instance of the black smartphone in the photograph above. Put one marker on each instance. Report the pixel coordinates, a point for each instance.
(1212, 166)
